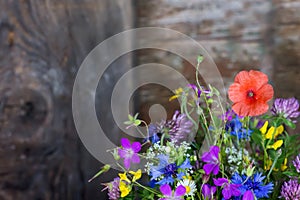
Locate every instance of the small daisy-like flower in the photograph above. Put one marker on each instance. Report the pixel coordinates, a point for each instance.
(250, 93)
(129, 152)
(189, 185)
(290, 190)
(288, 108)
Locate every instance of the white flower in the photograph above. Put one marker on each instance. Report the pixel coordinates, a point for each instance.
(189, 185)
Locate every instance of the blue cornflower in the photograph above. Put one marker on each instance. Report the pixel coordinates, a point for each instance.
(235, 128)
(254, 184)
(165, 172)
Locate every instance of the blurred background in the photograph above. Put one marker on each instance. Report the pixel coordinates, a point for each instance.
(44, 42)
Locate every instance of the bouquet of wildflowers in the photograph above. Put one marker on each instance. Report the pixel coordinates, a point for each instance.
(211, 150)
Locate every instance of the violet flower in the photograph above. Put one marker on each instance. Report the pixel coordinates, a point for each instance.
(296, 163)
(113, 189)
(248, 195)
(290, 190)
(129, 152)
(212, 160)
(208, 191)
(229, 189)
(180, 128)
(288, 108)
(166, 190)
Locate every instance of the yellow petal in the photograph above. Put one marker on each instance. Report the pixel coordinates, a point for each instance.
(123, 177)
(124, 189)
(268, 164)
(263, 129)
(284, 166)
(136, 175)
(279, 130)
(270, 133)
(173, 97)
(177, 94)
(276, 145)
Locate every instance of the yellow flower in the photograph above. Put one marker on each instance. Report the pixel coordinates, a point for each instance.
(284, 166)
(272, 131)
(123, 177)
(177, 94)
(125, 188)
(276, 145)
(263, 129)
(136, 175)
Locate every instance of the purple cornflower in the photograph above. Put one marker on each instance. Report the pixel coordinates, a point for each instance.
(229, 189)
(290, 190)
(212, 160)
(113, 189)
(129, 152)
(287, 108)
(208, 191)
(166, 190)
(179, 128)
(296, 163)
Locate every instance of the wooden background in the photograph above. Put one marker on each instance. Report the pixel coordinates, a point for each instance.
(44, 42)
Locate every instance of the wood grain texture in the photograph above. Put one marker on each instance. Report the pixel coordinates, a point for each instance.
(42, 46)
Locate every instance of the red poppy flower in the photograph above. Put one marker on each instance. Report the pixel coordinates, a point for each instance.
(250, 93)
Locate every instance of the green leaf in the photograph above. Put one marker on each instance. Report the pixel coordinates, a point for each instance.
(137, 122)
(289, 123)
(257, 137)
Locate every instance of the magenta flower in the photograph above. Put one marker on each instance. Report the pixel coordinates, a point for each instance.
(229, 189)
(166, 190)
(208, 191)
(248, 195)
(129, 152)
(212, 160)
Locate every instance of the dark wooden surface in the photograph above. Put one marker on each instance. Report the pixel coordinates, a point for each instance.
(42, 45)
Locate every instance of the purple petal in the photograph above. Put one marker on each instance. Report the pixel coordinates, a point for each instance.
(125, 143)
(135, 158)
(234, 189)
(208, 168)
(122, 153)
(206, 191)
(136, 147)
(216, 169)
(127, 163)
(248, 195)
(213, 189)
(215, 150)
(180, 191)
(220, 181)
(166, 190)
(206, 157)
(226, 193)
